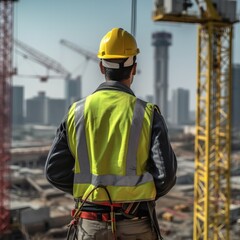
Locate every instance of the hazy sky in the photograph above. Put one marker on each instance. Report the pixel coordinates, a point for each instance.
(42, 23)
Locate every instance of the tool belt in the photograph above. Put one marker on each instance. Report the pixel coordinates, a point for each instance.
(105, 217)
(129, 211)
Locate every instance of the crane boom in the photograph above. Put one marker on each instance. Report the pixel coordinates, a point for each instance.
(41, 58)
(89, 55)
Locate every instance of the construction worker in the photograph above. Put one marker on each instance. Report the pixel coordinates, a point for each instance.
(112, 152)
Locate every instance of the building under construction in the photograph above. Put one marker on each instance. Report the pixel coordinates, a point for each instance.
(38, 210)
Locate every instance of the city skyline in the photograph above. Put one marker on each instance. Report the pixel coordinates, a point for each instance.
(42, 24)
(45, 110)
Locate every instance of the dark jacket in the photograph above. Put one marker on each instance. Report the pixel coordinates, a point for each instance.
(162, 161)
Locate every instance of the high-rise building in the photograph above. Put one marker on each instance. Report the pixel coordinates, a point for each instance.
(180, 106)
(161, 41)
(17, 105)
(56, 111)
(37, 109)
(236, 96)
(45, 111)
(72, 90)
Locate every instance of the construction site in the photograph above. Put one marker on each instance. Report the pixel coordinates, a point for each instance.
(205, 202)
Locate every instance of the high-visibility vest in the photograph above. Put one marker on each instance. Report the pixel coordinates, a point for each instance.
(109, 135)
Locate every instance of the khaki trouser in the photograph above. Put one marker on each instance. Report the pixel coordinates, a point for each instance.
(139, 229)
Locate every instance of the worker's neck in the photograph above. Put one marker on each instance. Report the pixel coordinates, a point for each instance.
(125, 82)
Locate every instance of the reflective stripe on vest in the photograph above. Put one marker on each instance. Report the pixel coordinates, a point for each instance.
(138, 187)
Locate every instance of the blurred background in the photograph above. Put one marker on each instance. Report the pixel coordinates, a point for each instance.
(54, 58)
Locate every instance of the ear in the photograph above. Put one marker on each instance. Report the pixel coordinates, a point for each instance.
(134, 69)
(102, 69)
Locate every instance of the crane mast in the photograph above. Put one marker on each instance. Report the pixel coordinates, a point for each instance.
(213, 117)
(213, 132)
(6, 34)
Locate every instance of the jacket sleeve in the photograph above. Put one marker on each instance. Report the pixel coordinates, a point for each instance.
(162, 162)
(60, 162)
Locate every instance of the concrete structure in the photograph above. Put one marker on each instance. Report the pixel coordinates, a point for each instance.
(17, 105)
(72, 90)
(37, 109)
(180, 106)
(31, 157)
(45, 111)
(56, 111)
(161, 41)
(236, 96)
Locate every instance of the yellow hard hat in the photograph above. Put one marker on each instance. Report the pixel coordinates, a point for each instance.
(117, 43)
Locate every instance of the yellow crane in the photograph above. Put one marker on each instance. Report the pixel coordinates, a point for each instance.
(213, 114)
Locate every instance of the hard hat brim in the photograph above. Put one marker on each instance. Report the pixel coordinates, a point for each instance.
(109, 56)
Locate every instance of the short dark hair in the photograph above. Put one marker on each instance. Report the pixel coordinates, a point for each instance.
(120, 73)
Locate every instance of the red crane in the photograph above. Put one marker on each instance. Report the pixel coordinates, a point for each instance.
(6, 72)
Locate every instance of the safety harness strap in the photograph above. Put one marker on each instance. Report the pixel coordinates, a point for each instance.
(77, 214)
(153, 217)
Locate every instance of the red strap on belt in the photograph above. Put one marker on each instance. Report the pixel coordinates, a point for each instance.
(105, 217)
(108, 204)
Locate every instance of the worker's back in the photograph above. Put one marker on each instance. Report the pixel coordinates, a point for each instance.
(108, 118)
(117, 130)
(112, 152)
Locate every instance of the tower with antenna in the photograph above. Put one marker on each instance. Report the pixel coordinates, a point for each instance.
(161, 41)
